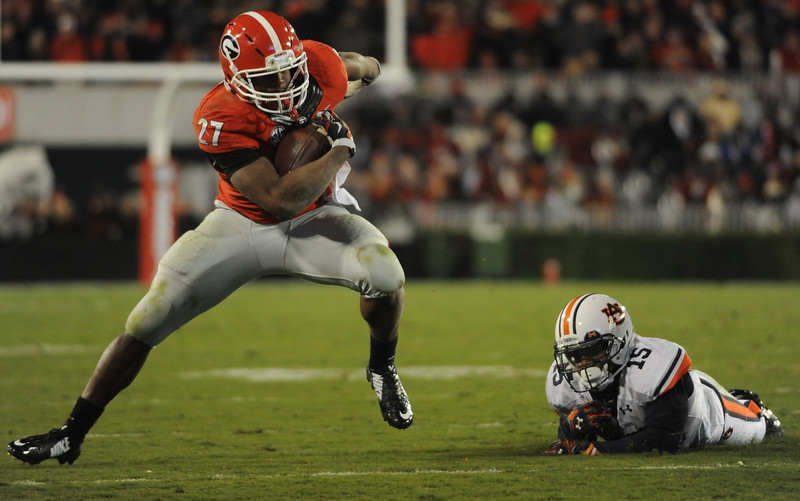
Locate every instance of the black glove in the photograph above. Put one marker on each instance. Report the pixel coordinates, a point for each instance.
(586, 421)
(571, 447)
(336, 129)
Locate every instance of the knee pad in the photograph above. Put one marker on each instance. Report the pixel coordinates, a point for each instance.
(146, 319)
(153, 319)
(383, 273)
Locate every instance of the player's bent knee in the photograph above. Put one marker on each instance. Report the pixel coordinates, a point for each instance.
(145, 319)
(383, 271)
(149, 322)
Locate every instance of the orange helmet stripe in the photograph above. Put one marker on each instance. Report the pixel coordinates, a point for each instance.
(565, 322)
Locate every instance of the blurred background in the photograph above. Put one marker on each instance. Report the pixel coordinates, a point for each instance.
(544, 139)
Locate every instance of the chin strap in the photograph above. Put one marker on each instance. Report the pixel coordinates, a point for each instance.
(313, 98)
(288, 121)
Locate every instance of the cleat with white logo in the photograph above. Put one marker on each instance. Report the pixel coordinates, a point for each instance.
(395, 407)
(58, 444)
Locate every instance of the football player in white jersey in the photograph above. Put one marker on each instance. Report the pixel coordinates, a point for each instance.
(638, 393)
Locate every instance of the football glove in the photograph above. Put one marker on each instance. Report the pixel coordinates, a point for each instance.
(336, 129)
(571, 447)
(587, 421)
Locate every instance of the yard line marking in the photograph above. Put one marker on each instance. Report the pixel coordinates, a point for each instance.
(485, 471)
(122, 480)
(114, 435)
(738, 464)
(400, 473)
(282, 374)
(478, 425)
(27, 350)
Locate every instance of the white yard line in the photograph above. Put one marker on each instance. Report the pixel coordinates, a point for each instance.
(27, 350)
(486, 471)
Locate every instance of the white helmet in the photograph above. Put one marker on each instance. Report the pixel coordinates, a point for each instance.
(593, 340)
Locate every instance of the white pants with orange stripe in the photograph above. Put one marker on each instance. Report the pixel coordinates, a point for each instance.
(327, 245)
(740, 419)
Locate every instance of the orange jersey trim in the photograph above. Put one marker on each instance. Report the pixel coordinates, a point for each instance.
(747, 412)
(681, 371)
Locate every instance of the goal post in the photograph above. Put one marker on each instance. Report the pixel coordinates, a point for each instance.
(116, 105)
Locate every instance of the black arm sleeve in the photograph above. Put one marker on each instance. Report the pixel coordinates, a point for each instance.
(230, 162)
(664, 420)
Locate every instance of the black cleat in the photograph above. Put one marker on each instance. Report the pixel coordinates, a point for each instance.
(774, 428)
(395, 407)
(58, 443)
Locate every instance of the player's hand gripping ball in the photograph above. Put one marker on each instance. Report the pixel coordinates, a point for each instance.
(336, 129)
(299, 147)
(585, 422)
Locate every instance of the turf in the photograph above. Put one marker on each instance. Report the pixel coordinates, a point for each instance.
(264, 397)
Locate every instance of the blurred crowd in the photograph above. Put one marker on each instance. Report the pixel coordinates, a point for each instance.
(731, 157)
(34, 201)
(723, 157)
(569, 35)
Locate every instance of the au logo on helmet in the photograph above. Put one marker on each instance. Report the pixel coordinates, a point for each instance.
(229, 47)
(614, 312)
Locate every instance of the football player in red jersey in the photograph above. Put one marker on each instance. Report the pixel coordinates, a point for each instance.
(263, 223)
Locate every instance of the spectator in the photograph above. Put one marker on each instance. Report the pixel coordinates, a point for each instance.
(447, 46)
(582, 38)
(69, 45)
(673, 53)
(720, 112)
(786, 57)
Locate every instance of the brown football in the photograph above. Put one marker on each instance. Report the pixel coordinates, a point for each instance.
(300, 146)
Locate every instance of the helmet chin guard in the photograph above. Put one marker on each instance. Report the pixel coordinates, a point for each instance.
(594, 376)
(593, 336)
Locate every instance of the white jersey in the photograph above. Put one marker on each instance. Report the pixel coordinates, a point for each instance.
(655, 366)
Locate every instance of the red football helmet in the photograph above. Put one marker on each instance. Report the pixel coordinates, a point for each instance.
(264, 62)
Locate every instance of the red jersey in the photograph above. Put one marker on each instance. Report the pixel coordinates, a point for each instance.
(224, 123)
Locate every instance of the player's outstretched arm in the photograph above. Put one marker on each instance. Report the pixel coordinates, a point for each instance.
(365, 68)
(361, 71)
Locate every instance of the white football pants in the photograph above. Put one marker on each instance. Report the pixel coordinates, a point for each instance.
(327, 245)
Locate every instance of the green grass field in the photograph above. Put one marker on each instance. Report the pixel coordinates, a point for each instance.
(264, 397)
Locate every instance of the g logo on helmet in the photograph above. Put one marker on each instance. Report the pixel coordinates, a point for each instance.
(229, 47)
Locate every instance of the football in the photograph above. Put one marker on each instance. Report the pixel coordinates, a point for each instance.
(300, 146)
